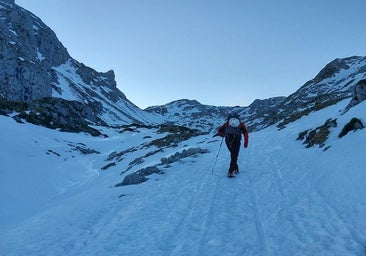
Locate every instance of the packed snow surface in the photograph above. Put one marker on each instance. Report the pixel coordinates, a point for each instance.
(286, 200)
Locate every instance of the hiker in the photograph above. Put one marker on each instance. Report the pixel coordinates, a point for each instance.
(232, 130)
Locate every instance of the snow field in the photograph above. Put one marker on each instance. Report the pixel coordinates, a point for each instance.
(286, 200)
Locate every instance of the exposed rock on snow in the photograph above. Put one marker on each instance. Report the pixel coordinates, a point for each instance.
(54, 113)
(319, 135)
(185, 153)
(139, 176)
(176, 134)
(107, 166)
(358, 94)
(353, 125)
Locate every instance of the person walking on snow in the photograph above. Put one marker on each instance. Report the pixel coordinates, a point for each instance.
(232, 130)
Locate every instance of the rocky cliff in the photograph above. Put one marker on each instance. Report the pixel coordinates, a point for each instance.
(29, 50)
(34, 65)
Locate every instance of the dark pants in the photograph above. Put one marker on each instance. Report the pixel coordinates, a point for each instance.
(233, 144)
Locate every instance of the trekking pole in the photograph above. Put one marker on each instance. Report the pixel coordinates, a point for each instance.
(248, 156)
(217, 155)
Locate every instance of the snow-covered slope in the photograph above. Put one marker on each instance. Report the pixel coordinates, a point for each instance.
(78, 82)
(58, 194)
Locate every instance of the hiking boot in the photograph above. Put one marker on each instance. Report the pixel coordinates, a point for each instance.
(230, 174)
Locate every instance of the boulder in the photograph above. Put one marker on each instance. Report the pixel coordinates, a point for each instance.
(139, 176)
(353, 125)
(358, 94)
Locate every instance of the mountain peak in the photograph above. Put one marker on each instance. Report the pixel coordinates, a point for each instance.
(35, 65)
(336, 66)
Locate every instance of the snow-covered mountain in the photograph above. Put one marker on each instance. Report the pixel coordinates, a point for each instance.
(35, 65)
(191, 113)
(334, 83)
(37, 70)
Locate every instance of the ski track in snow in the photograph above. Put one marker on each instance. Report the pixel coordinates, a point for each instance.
(288, 200)
(216, 205)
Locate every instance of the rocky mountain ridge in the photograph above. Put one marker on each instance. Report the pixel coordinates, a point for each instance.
(335, 82)
(193, 114)
(34, 65)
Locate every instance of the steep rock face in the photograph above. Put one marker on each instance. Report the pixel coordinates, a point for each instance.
(34, 64)
(28, 49)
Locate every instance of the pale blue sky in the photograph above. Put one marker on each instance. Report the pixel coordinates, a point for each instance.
(222, 53)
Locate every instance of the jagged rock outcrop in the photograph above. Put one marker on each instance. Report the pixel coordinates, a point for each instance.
(358, 94)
